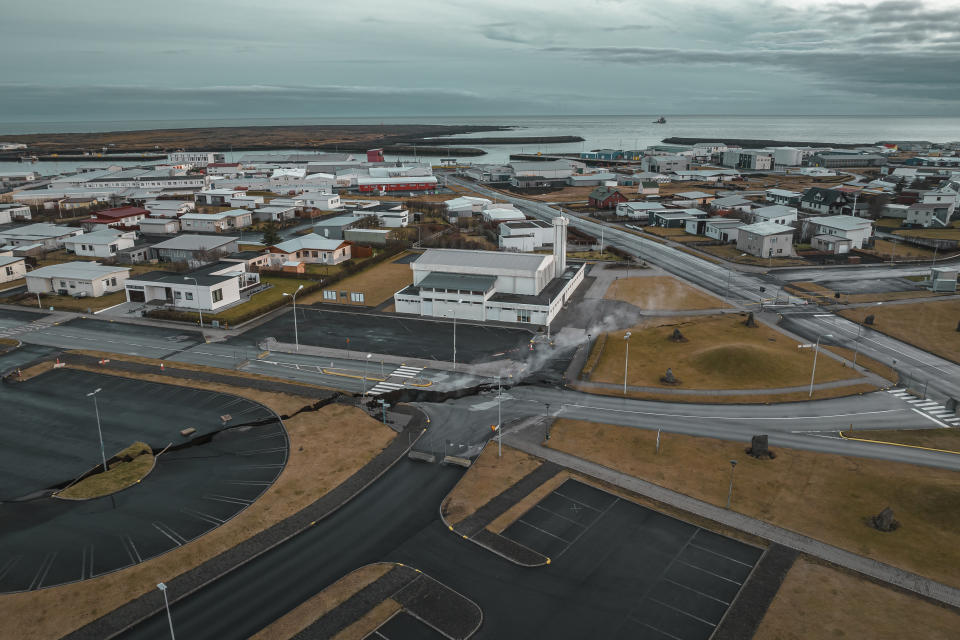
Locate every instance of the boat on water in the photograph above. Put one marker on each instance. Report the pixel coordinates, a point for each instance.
(660, 120)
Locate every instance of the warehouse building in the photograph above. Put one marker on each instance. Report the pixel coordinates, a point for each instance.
(488, 285)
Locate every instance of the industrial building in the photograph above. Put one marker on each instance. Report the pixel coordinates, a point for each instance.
(488, 285)
(525, 235)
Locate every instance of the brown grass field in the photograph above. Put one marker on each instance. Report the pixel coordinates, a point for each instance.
(319, 605)
(121, 474)
(677, 235)
(730, 253)
(378, 284)
(490, 476)
(818, 601)
(747, 398)
(662, 293)
(940, 319)
(817, 292)
(943, 439)
(326, 447)
(827, 497)
(720, 353)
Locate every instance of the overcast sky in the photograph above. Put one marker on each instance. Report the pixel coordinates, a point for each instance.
(103, 59)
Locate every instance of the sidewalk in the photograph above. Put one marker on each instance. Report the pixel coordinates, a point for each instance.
(528, 440)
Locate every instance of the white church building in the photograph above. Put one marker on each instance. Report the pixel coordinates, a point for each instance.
(489, 285)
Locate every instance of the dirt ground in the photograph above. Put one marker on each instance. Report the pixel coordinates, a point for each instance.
(677, 235)
(886, 248)
(377, 284)
(319, 605)
(662, 293)
(326, 447)
(847, 606)
(827, 497)
(490, 476)
(719, 353)
(940, 321)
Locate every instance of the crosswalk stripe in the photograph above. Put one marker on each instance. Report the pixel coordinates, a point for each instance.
(915, 401)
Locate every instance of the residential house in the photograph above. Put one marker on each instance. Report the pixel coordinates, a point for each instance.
(334, 226)
(649, 187)
(311, 248)
(210, 288)
(80, 279)
(49, 236)
(857, 230)
(216, 222)
(322, 201)
(766, 240)
(244, 200)
(606, 198)
(215, 197)
(834, 245)
(159, 226)
(194, 249)
(774, 213)
(675, 218)
(722, 229)
(128, 217)
(783, 196)
(254, 260)
(14, 211)
(637, 209)
(12, 268)
(928, 215)
(224, 169)
(78, 202)
(101, 244)
(274, 214)
(368, 237)
(732, 203)
(691, 198)
(169, 208)
(828, 202)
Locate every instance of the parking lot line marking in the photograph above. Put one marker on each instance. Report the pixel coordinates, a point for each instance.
(177, 542)
(707, 571)
(228, 499)
(554, 513)
(689, 588)
(589, 526)
(680, 611)
(533, 526)
(720, 555)
(660, 631)
(583, 504)
(42, 572)
(133, 548)
(5, 569)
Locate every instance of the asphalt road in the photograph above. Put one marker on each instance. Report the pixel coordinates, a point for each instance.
(114, 337)
(743, 288)
(594, 589)
(49, 436)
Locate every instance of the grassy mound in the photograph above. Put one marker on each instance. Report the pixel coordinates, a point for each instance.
(129, 467)
(744, 363)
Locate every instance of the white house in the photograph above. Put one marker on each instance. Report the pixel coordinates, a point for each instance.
(244, 200)
(732, 203)
(51, 236)
(722, 229)
(12, 268)
(322, 201)
(637, 210)
(525, 235)
(10, 212)
(195, 249)
(311, 248)
(783, 196)
(211, 288)
(215, 197)
(161, 226)
(101, 244)
(775, 213)
(929, 214)
(79, 279)
(766, 240)
(490, 285)
(274, 214)
(465, 206)
(216, 222)
(857, 230)
(169, 208)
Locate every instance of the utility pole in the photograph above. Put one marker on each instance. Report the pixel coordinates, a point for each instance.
(96, 408)
(626, 361)
(733, 465)
(816, 352)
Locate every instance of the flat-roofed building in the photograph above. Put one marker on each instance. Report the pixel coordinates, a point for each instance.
(766, 240)
(211, 288)
(194, 249)
(216, 222)
(525, 235)
(80, 279)
(12, 268)
(10, 212)
(51, 236)
(101, 244)
(774, 213)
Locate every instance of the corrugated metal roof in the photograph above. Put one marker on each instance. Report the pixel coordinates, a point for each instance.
(195, 242)
(458, 282)
(78, 270)
(766, 228)
(480, 259)
(847, 223)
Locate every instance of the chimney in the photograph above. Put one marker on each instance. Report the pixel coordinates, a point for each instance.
(559, 245)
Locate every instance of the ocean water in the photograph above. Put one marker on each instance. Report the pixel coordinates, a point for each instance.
(598, 131)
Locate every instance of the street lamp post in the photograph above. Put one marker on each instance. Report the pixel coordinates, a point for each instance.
(96, 409)
(733, 465)
(499, 419)
(196, 295)
(816, 352)
(626, 361)
(365, 361)
(293, 296)
(166, 605)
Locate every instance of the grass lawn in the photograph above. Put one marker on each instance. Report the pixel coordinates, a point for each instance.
(747, 398)
(378, 284)
(827, 497)
(731, 253)
(952, 233)
(490, 476)
(939, 335)
(319, 605)
(818, 601)
(720, 353)
(13, 284)
(886, 248)
(661, 293)
(259, 303)
(326, 448)
(121, 474)
(69, 303)
(677, 235)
